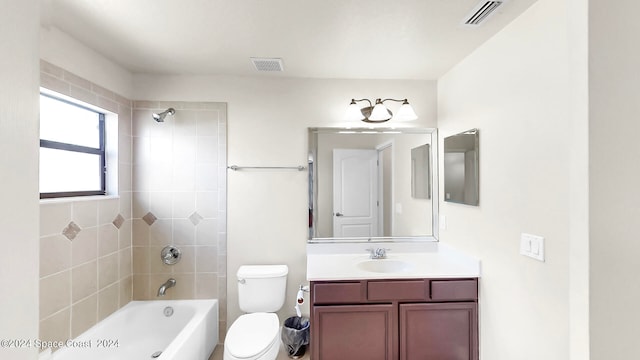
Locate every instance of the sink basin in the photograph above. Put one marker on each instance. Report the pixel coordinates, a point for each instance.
(385, 266)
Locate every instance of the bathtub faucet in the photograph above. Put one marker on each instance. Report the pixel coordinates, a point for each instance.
(163, 288)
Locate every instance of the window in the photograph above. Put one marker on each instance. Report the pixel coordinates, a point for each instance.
(72, 155)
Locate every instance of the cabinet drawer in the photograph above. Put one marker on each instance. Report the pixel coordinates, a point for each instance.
(454, 290)
(335, 293)
(397, 290)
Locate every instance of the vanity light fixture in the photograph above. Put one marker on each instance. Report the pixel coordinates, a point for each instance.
(379, 113)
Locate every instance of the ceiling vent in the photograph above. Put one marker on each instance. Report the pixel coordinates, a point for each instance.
(268, 64)
(481, 12)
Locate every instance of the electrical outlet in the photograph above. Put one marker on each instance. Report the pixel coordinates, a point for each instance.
(532, 246)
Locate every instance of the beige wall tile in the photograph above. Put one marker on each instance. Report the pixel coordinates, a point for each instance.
(140, 286)
(54, 217)
(81, 94)
(85, 213)
(107, 239)
(139, 204)
(99, 90)
(207, 232)
(207, 123)
(126, 197)
(184, 176)
(184, 147)
(140, 233)
(55, 254)
(206, 177)
(107, 210)
(125, 235)
(84, 315)
(194, 142)
(53, 83)
(108, 268)
(55, 293)
(84, 279)
(126, 290)
(206, 259)
(185, 286)
(108, 301)
(184, 232)
(184, 204)
(85, 246)
(126, 267)
(160, 204)
(79, 285)
(51, 69)
(206, 286)
(56, 327)
(160, 233)
(207, 204)
(125, 181)
(140, 258)
(107, 104)
(78, 81)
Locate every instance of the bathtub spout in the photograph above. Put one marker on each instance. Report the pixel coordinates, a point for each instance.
(163, 288)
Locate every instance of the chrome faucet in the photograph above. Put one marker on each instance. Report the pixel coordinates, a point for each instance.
(163, 288)
(378, 253)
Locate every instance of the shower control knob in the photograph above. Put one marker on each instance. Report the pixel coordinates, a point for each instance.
(170, 255)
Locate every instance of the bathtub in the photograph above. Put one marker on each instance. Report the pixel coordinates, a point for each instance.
(162, 329)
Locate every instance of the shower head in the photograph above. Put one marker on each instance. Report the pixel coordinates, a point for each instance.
(160, 117)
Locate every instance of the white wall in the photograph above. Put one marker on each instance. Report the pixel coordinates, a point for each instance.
(517, 89)
(68, 53)
(614, 174)
(267, 126)
(19, 71)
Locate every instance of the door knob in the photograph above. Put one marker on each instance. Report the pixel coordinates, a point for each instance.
(339, 214)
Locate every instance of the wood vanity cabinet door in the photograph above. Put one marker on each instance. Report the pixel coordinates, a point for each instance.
(438, 331)
(354, 332)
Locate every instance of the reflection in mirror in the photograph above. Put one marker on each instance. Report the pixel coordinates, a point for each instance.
(461, 180)
(370, 184)
(420, 181)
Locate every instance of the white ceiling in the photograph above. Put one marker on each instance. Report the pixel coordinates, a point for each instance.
(373, 39)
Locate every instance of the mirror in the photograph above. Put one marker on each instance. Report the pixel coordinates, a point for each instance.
(420, 181)
(372, 184)
(461, 168)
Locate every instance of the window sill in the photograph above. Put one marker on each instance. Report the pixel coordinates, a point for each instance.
(63, 200)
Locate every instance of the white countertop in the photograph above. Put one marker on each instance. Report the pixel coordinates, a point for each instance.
(339, 261)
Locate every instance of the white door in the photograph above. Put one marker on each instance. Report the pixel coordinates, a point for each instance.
(355, 193)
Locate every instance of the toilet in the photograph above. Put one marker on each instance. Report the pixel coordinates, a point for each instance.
(261, 292)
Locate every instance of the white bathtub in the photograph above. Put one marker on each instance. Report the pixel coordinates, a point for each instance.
(141, 329)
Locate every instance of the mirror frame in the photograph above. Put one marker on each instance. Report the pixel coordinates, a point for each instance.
(312, 183)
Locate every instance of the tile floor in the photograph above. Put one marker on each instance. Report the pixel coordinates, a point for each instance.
(217, 354)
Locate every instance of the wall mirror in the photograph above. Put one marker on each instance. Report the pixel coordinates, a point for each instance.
(372, 184)
(461, 168)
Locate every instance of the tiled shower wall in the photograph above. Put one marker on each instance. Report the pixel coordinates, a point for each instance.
(179, 198)
(85, 245)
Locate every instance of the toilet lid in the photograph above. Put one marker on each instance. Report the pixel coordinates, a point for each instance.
(251, 334)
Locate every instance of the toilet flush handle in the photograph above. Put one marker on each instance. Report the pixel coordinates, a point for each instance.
(241, 281)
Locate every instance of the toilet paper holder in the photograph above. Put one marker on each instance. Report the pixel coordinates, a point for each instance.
(301, 290)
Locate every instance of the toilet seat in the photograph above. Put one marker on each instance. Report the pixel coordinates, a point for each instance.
(252, 335)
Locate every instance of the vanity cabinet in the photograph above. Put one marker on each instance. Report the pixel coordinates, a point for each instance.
(394, 319)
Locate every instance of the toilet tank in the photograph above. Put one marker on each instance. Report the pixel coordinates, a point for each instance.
(262, 288)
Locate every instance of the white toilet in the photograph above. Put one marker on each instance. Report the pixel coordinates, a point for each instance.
(261, 292)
